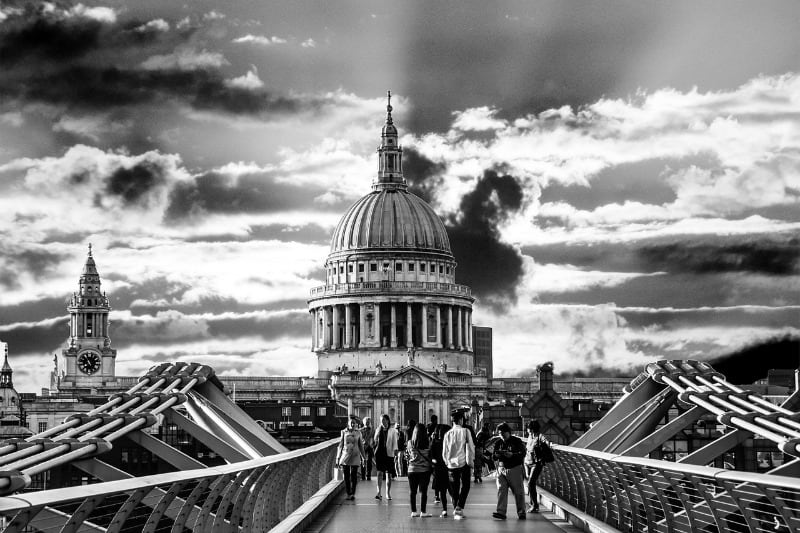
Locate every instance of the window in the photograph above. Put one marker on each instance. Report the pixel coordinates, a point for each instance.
(322, 411)
(441, 269)
(422, 267)
(350, 268)
(42, 427)
(282, 425)
(398, 267)
(305, 411)
(286, 411)
(341, 270)
(305, 423)
(411, 267)
(361, 267)
(448, 270)
(373, 267)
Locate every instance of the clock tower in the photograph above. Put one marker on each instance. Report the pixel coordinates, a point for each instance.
(89, 357)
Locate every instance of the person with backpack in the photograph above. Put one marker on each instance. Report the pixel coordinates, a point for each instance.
(458, 453)
(441, 482)
(537, 453)
(509, 454)
(419, 469)
(350, 455)
(368, 435)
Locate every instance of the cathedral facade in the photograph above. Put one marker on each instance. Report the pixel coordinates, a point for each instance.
(391, 328)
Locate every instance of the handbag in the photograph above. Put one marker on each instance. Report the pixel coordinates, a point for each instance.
(543, 451)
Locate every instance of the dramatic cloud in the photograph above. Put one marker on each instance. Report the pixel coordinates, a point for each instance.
(491, 267)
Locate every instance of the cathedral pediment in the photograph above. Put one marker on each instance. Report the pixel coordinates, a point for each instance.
(411, 376)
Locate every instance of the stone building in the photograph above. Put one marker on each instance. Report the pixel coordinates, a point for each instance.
(391, 328)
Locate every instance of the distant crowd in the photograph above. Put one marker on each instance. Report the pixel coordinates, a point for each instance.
(446, 458)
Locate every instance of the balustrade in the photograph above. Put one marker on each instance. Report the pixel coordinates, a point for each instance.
(391, 286)
(246, 496)
(638, 494)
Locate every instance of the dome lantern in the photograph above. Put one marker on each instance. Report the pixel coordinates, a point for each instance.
(390, 155)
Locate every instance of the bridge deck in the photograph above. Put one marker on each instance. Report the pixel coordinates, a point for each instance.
(367, 514)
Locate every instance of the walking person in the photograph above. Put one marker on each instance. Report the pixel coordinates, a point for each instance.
(481, 453)
(431, 427)
(509, 452)
(419, 469)
(534, 461)
(368, 434)
(458, 453)
(399, 460)
(349, 456)
(385, 451)
(441, 482)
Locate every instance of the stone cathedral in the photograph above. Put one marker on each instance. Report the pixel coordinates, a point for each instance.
(391, 328)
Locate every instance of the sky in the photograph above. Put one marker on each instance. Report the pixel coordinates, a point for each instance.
(620, 180)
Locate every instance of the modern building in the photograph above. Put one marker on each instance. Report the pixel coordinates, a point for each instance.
(482, 338)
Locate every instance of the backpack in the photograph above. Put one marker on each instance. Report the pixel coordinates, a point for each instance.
(543, 451)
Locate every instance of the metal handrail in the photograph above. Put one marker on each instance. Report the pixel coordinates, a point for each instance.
(642, 494)
(268, 488)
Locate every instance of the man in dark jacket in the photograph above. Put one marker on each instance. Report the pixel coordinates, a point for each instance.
(509, 452)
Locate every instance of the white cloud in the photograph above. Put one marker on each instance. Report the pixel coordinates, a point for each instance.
(185, 59)
(249, 81)
(153, 25)
(309, 43)
(99, 13)
(260, 39)
(477, 119)
(214, 15)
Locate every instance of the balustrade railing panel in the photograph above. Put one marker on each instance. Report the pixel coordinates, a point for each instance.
(250, 496)
(647, 495)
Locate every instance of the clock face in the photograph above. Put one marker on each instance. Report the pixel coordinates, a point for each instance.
(89, 362)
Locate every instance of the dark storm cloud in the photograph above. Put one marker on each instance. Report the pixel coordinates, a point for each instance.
(768, 256)
(104, 88)
(752, 363)
(422, 174)
(36, 263)
(131, 184)
(771, 254)
(90, 65)
(43, 39)
(42, 338)
(726, 317)
(216, 193)
(491, 267)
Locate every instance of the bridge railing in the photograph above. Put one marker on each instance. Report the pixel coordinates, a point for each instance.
(638, 494)
(252, 495)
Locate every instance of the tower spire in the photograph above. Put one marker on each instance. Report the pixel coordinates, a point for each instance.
(390, 155)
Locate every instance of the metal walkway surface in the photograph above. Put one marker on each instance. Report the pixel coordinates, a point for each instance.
(365, 513)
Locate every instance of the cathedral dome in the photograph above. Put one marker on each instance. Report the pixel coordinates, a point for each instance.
(390, 218)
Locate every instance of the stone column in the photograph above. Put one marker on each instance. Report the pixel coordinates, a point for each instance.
(438, 326)
(393, 326)
(459, 343)
(409, 329)
(424, 325)
(337, 341)
(348, 327)
(313, 329)
(450, 326)
(377, 325)
(469, 329)
(326, 332)
(362, 331)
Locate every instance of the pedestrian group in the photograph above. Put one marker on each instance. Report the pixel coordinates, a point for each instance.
(446, 458)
